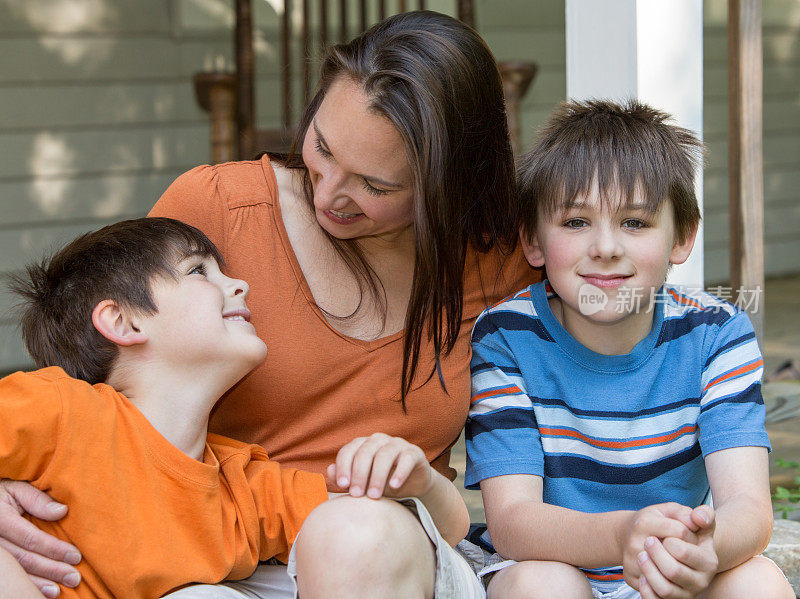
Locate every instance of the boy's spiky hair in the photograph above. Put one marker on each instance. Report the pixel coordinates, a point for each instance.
(624, 148)
(118, 262)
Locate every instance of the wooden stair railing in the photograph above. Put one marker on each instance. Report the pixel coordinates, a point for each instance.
(229, 97)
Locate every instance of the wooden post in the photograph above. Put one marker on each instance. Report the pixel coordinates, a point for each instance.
(323, 25)
(245, 60)
(745, 157)
(216, 94)
(362, 9)
(466, 12)
(306, 52)
(342, 21)
(517, 77)
(286, 64)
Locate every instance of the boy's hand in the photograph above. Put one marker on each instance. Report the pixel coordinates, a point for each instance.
(659, 521)
(366, 464)
(676, 569)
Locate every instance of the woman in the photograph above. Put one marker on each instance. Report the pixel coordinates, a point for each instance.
(369, 250)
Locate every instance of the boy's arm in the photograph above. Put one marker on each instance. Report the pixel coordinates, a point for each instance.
(447, 509)
(30, 419)
(523, 527)
(272, 501)
(16, 584)
(738, 529)
(739, 480)
(380, 465)
(734, 441)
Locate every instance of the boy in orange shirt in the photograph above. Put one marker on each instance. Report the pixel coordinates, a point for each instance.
(139, 333)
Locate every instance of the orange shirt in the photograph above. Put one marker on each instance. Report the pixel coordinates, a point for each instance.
(146, 517)
(319, 389)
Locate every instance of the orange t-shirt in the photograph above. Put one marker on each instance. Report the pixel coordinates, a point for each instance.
(319, 389)
(146, 517)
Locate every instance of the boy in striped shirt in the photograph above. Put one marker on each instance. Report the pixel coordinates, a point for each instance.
(606, 404)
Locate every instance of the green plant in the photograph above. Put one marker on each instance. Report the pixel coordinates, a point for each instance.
(787, 498)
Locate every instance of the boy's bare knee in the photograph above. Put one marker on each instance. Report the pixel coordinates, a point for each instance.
(361, 527)
(757, 578)
(380, 541)
(539, 580)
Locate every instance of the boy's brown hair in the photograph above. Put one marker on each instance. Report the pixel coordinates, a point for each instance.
(626, 148)
(118, 262)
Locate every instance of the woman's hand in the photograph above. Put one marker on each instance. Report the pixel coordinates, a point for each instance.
(383, 466)
(46, 559)
(366, 464)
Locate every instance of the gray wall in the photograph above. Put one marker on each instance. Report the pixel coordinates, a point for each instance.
(781, 38)
(96, 118)
(97, 113)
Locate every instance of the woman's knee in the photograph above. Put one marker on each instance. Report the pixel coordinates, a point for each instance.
(539, 580)
(757, 578)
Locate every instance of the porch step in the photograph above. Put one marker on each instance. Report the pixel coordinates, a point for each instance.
(784, 550)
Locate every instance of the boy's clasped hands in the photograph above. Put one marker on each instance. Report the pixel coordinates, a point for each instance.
(668, 551)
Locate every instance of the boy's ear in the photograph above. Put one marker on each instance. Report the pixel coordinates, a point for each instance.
(682, 249)
(531, 248)
(116, 325)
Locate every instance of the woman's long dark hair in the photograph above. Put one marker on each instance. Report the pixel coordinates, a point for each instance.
(435, 79)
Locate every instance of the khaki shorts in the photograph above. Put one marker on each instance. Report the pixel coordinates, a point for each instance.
(454, 576)
(487, 564)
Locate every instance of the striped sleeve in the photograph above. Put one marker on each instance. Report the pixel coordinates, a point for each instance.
(732, 412)
(502, 436)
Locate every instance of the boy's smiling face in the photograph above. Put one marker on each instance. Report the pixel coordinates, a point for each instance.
(203, 320)
(594, 250)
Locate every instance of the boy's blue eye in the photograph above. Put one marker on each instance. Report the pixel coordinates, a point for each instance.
(200, 269)
(575, 223)
(634, 223)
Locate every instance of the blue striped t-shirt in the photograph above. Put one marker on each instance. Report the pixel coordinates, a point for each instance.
(612, 432)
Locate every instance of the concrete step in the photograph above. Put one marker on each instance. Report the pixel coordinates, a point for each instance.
(784, 550)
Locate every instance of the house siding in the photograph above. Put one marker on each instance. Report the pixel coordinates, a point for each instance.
(781, 140)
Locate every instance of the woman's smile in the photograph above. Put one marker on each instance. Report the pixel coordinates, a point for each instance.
(343, 218)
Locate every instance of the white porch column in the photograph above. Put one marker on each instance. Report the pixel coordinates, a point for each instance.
(651, 50)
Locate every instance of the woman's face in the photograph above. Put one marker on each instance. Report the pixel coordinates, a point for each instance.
(358, 167)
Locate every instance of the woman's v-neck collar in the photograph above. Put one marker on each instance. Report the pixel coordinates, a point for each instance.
(283, 234)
